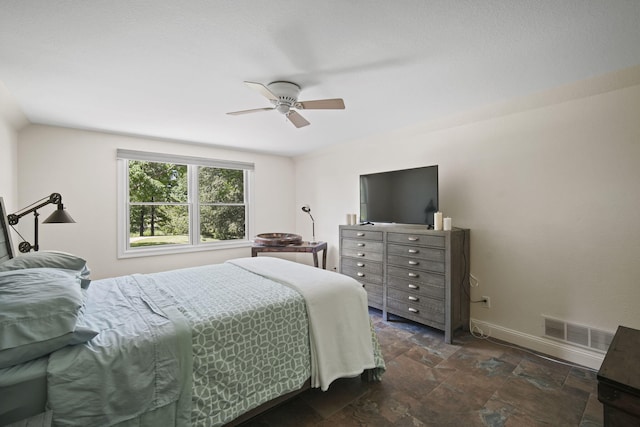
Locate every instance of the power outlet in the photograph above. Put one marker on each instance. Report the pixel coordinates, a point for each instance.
(486, 301)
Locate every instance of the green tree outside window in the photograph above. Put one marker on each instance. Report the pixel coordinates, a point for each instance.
(160, 209)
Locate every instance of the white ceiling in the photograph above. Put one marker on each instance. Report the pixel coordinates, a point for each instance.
(173, 68)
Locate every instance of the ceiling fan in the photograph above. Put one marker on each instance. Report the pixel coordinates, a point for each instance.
(284, 98)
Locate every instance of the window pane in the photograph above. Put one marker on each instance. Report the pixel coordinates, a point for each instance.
(220, 185)
(158, 225)
(221, 223)
(157, 182)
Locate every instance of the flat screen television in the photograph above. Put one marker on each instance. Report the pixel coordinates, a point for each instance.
(408, 196)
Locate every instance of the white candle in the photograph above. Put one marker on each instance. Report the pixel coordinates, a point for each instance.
(446, 224)
(354, 219)
(349, 219)
(437, 221)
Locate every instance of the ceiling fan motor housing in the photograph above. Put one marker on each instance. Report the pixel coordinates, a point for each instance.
(287, 94)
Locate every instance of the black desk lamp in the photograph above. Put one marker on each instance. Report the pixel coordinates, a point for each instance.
(58, 216)
(307, 209)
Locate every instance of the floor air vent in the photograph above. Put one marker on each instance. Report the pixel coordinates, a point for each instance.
(575, 334)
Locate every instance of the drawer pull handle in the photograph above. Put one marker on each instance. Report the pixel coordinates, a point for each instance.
(414, 275)
(414, 299)
(412, 286)
(359, 254)
(414, 263)
(360, 274)
(413, 251)
(413, 239)
(360, 234)
(361, 245)
(414, 310)
(360, 264)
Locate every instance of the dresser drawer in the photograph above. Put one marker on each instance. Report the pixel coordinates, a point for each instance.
(362, 234)
(374, 289)
(416, 263)
(362, 244)
(427, 290)
(409, 297)
(431, 312)
(431, 254)
(416, 276)
(370, 253)
(416, 239)
(362, 275)
(362, 265)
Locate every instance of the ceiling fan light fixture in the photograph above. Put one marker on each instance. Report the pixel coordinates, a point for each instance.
(283, 108)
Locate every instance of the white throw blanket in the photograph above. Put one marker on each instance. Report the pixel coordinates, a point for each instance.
(339, 328)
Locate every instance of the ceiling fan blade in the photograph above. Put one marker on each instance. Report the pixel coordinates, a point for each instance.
(253, 110)
(262, 89)
(297, 120)
(322, 104)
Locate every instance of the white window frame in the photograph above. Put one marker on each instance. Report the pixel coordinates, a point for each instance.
(123, 243)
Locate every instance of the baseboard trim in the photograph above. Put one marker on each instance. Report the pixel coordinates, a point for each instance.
(577, 355)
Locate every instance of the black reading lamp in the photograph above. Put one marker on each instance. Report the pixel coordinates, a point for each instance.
(58, 216)
(307, 209)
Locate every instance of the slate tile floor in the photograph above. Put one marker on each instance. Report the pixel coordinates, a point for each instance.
(428, 383)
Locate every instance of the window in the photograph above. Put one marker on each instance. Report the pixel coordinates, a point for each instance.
(171, 204)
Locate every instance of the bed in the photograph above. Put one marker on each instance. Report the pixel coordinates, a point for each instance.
(209, 345)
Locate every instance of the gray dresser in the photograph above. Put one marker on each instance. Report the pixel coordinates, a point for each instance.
(411, 272)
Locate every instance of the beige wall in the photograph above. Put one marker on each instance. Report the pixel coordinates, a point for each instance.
(11, 120)
(81, 165)
(549, 188)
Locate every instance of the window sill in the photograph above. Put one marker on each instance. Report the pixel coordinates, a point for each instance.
(179, 249)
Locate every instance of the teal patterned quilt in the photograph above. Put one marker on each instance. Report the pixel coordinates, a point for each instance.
(250, 338)
(243, 337)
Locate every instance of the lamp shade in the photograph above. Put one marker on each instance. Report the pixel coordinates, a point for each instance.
(59, 216)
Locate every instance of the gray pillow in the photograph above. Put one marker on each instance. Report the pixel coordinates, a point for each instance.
(39, 309)
(24, 353)
(50, 259)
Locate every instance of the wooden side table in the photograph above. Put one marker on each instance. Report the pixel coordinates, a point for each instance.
(313, 248)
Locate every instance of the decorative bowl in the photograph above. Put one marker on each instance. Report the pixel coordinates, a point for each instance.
(278, 239)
